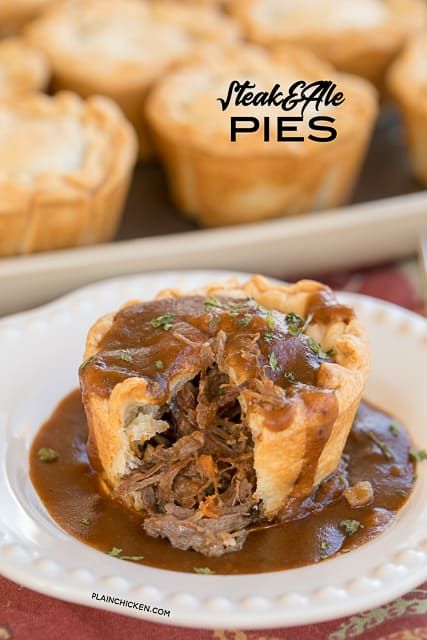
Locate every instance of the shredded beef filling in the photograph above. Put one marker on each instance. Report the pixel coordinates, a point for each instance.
(196, 481)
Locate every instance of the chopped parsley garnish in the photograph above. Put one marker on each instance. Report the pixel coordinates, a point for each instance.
(163, 322)
(269, 321)
(385, 449)
(418, 455)
(290, 377)
(245, 321)
(211, 304)
(204, 571)
(88, 361)
(117, 553)
(273, 362)
(394, 428)
(268, 336)
(159, 364)
(315, 346)
(404, 494)
(351, 526)
(296, 324)
(126, 355)
(85, 521)
(324, 548)
(46, 454)
(294, 319)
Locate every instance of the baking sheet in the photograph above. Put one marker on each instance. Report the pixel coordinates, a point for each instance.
(388, 214)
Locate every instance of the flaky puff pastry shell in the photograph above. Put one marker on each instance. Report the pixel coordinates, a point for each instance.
(219, 182)
(281, 456)
(359, 37)
(119, 48)
(23, 68)
(407, 83)
(65, 166)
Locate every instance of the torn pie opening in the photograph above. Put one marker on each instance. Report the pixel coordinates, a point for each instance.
(196, 480)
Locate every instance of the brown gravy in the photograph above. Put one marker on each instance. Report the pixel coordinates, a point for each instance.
(70, 491)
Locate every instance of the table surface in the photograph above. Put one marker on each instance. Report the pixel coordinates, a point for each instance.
(26, 615)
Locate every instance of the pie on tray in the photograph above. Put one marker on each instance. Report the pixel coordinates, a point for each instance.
(119, 48)
(407, 83)
(359, 37)
(65, 166)
(220, 182)
(22, 68)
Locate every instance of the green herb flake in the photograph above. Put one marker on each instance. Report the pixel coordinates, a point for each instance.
(268, 336)
(163, 322)
(351, 526)
(418, 455)
(269, 321)
(245, 321)
(289, 376)
(126, 355)
(159, 364)
(273, 362)
(212, 304)
(294, 319)
(324, 548)
(204, 571)
(88, 361)
(394, 428)
(85, 521)
(293, 329)
(315, 346)
(385, 449)
(46, 454)
(403, 494)
(117, 553)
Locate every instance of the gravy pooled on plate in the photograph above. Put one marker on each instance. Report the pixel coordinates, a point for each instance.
(324, 524)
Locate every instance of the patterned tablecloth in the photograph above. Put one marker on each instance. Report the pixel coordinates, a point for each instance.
(26, 615)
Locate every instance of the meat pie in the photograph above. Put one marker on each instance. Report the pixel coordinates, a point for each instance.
(213, 412)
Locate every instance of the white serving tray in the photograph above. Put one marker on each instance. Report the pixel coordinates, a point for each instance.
(347, 237)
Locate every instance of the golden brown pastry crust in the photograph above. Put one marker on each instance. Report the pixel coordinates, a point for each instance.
(219, 182)
(22, 68)
(50, 208)
(145, 40)
(281, 455)
(365, 48)
(14, 14)
(407, 83)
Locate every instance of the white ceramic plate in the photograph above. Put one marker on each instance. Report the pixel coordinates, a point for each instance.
(40, 353)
